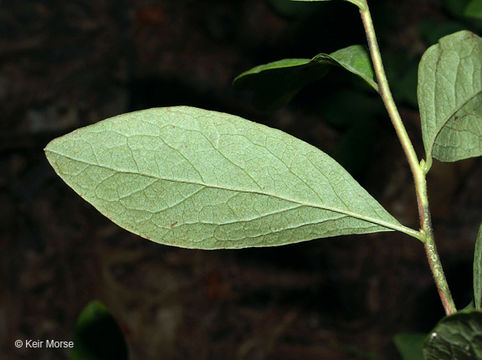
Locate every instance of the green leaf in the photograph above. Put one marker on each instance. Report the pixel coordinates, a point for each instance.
(431, 30)
(410, 346)
(455, 337)
(362, 4)
(450, 97)
(474, 9)
(202, 179)
(355, 148)
(456, 7)
(274, 84)
(355, 59)
(97, 335)
(469, 307)
(402, 73)
(478, 270)
(289, 8)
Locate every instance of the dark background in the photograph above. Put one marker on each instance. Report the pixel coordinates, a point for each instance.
(66, 64)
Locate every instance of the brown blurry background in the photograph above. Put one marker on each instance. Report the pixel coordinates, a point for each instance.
(67, 64)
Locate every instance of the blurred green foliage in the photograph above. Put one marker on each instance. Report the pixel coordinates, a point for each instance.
(97, 336)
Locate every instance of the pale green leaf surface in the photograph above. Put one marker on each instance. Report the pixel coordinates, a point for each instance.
(450, 97)
(362, 4)
(275, 83)
(478, 270)
(202, 179)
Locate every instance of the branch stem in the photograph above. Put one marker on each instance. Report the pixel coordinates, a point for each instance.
(418, 169)
(386, 93)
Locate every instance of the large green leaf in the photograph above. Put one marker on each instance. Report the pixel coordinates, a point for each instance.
(450, 97)
(456, 337)
(97, 335)
(478, 270)
(362, 4)
(275, 83)
(202, 179)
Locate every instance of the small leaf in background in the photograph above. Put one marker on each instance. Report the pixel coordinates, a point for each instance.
(469, 307)
(410, 346)
(456, 7)
(466, 12)
(194, 178)
(355, 148)
(274, 84)
(356, 59)
(455, 337)
(406, 88)
(478, 270)
(450, 97)
(432, 30)
(292, 9)
(362, 4)
(402, 72)
(363, 107)
(97, 335)
(474, 9)
(358, 128)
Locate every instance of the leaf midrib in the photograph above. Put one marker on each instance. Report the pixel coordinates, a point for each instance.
(382, 223)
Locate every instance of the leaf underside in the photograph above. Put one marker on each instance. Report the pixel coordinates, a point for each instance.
(202, 179)
(450, 97)
(274, 84)
(456, 337)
